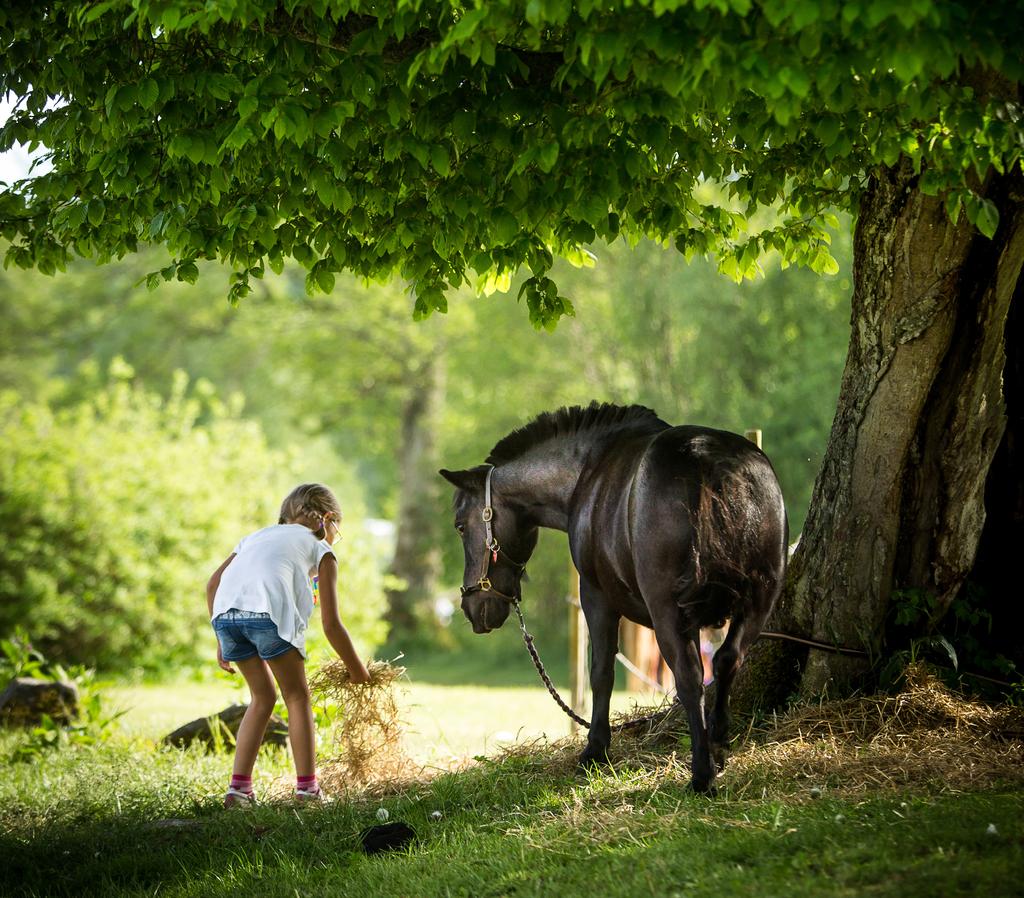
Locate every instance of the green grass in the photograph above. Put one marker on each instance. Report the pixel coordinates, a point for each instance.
(87, 823)
(128, 818)
(442, 722)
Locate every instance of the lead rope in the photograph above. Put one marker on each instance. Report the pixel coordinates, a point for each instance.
(528, 639)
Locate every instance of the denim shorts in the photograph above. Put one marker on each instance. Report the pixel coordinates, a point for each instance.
(242, 634)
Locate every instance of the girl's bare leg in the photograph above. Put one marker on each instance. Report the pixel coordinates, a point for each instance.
(290, 672)
(254, 723)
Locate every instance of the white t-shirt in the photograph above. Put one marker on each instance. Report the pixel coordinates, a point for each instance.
(272, 572)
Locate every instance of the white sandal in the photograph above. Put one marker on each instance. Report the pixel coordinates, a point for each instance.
(236, 798)
(303, 795)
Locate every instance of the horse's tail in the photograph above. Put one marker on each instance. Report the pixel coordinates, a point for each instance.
(728, 521)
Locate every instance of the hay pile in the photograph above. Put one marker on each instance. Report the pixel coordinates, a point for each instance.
(924, 735)
(367, 740)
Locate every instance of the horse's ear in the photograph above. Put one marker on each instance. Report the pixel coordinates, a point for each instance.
(464, 480)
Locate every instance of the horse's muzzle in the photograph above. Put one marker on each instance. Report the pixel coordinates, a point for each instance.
(484, 612)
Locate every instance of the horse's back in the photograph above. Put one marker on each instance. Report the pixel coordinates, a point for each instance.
(682, 460)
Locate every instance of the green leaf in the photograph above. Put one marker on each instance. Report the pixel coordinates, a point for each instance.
(987, 218)
(126, 97)
(170, 19)
(594, 209)
(548, 156)
(440, 160)
(827, 129)
(419, 152)
(109, 100)
(823, 263)
(148, 93)
(247, 106)
(96, 211)
(188, 272)
(505, 226)
(464, 124)
(342, 198)
(324, 277)
(908, 62)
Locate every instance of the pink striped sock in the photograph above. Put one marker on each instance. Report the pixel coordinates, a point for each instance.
(307, 784)
(241, 783)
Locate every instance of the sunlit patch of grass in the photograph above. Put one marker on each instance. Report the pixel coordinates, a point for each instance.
(443, 724)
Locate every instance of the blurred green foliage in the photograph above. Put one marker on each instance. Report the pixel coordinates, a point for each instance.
(316, 387)
(118, 502)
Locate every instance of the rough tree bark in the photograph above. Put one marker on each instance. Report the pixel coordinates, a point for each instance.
(899, 503)
(417, 559)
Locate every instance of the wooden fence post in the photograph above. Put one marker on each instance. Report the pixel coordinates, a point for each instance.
(577, 648)
(754, 436)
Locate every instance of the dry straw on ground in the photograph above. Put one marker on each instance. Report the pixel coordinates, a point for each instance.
(367, 747)
(923, 736)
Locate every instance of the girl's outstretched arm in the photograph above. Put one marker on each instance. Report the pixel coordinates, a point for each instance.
(334, 629)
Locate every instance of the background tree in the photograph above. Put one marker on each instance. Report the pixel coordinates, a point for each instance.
(358, 381)
(433, 139)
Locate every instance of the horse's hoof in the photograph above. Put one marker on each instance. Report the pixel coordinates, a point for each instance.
(706, 789)
(719, 756)
(592, 758)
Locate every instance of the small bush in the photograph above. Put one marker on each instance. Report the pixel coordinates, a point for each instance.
(115, 509)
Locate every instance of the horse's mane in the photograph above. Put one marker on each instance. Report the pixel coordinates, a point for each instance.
(568, 421)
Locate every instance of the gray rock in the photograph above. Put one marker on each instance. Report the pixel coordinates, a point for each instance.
(26, 700)
(227, 721)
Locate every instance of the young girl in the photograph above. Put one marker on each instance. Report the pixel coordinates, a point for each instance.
(260, 600)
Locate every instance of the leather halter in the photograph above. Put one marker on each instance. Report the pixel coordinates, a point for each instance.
(493, 551)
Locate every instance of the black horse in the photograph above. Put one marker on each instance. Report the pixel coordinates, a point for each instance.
(675, 528)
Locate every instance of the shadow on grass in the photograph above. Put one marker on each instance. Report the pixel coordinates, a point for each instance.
(209, 849)
(526, 826)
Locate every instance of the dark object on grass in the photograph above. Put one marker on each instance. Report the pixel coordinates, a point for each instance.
(387, 837)
(674, 528)
(26, 700)
(226, 724)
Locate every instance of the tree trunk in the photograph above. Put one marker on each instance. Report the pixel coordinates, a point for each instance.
(899, 503)
(417, 560)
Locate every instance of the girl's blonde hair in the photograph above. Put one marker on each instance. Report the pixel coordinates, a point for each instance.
(307, 504)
